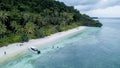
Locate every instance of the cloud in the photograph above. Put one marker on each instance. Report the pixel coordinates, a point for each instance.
(96, 7)
(107, 12)
(85, 5)
(107, 3)
(79, 2)
(101, 4)
(83, 8)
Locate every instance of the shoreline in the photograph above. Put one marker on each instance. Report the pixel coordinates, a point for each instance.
(15, 50)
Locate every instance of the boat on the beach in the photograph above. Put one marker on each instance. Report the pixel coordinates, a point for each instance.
(34, 50)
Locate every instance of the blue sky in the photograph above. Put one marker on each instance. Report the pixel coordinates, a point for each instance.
(99, 8)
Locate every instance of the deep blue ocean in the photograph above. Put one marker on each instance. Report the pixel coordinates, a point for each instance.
(91, 48)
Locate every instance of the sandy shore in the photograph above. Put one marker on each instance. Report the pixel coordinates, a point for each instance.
(14, 50)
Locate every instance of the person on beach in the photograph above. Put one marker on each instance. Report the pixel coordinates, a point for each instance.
(21, 44)
(4, 52)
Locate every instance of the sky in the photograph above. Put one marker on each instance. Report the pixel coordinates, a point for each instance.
(96, 8)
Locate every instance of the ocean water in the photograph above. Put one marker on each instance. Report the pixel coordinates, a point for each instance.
(91, 48)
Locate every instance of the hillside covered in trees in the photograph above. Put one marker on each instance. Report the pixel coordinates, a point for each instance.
(21, 20)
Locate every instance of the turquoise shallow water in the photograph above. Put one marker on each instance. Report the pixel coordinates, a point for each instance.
(91, 48)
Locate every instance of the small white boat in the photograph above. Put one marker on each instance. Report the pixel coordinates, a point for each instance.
(34, 50)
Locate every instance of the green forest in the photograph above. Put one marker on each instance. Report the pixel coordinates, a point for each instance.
(21, 20)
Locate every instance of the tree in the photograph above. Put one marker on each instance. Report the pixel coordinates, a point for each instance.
(25, 18)
(24, 38)
(2, 29)
(15, 26)
(3, 16)
(68, 17)
(29, 27)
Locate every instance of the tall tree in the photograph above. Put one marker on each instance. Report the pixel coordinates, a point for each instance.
(29, 27)
(2, 29)
(3, 16)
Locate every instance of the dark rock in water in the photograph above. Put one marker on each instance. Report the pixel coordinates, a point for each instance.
(38, 52)
(52, 47)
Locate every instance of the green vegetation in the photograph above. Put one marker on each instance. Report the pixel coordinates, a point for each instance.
(21, 20)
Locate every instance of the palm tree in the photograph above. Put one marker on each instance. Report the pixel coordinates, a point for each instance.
(2, 29)
(38, 19)
(29, 27)
(3, 16)
(25, 18)
(15, 27)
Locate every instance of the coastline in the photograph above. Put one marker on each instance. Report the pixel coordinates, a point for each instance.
(15, 50)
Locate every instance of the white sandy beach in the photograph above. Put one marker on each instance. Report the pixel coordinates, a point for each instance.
(15, 49)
